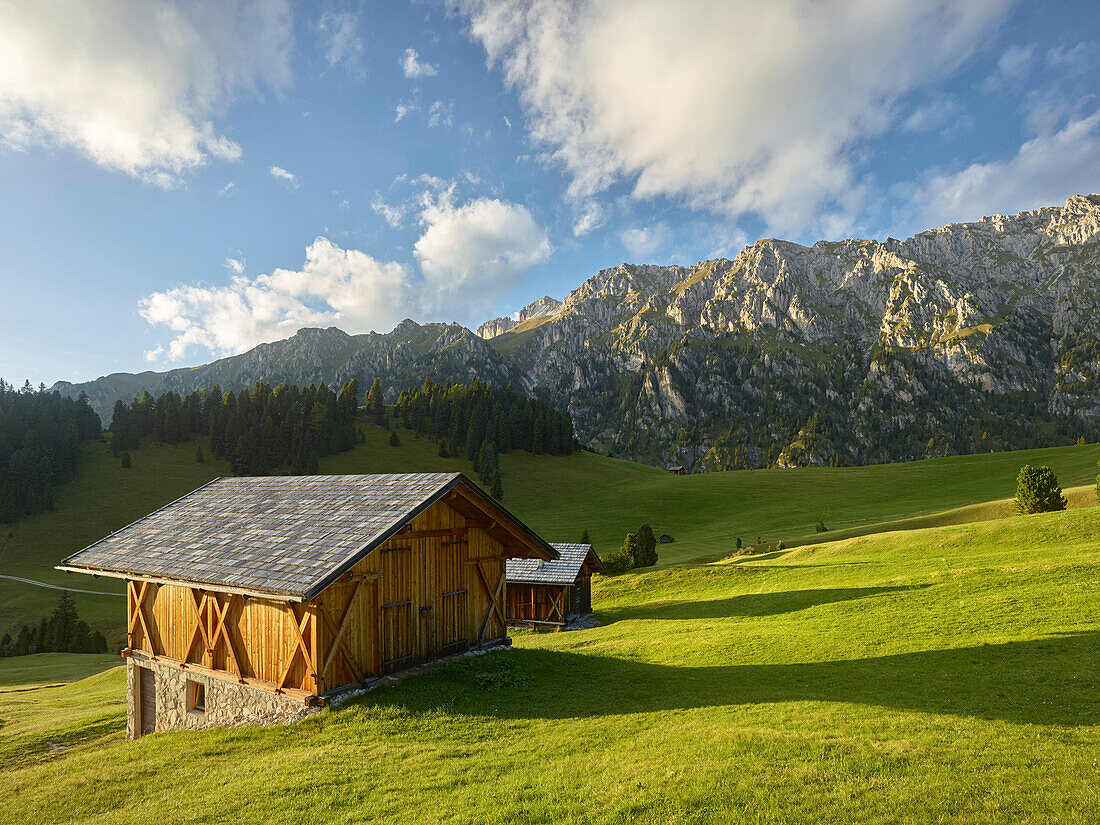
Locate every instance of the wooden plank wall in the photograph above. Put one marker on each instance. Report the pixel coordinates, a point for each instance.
(184, 625)
(426, 602)
(530, 602)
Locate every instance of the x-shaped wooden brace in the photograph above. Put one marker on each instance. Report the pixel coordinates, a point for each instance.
(200, 626)
(557, 602)
(338, 645)
(138, 617)
(221, 631)
(299, 646)
(494, 597)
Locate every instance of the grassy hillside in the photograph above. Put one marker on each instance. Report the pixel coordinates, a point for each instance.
(558, 496)
(948, 674)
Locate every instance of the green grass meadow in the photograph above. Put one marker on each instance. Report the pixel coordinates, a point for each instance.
(946, 674)
(557, 496)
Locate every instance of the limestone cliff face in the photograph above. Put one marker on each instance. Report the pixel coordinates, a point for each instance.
(973, 336)
(544, 307)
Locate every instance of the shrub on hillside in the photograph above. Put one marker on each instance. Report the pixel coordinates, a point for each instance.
(1037, 491)
(618, 562)
(394, 440)
(126, 460)
(820, 527)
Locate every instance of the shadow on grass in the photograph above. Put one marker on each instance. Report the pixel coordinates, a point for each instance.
(1052, 681)
(749, 604)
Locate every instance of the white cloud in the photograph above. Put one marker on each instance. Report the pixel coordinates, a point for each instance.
(279, 173)
(1013, 67)
(404, 109)
(136, 84)
(441, 114)
(469, 253)
(394, 215)
(590, 216)
(643, 242)
(227, 190)
(344, 45)
(1038, 175)
(735, 107)
(413, 66)
(337, 286)
(943, 114)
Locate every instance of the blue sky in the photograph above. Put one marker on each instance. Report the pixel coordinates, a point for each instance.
(180, 182)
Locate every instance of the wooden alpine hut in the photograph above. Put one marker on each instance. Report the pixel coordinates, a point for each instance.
(542, 592)
(254, 599)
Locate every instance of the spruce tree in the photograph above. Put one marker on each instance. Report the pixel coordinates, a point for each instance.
(394, 440)
(375, 408)
(646, 552)
(1037, 491)
(585, 538)
(497, 489)
(630, 548)
(199, 457)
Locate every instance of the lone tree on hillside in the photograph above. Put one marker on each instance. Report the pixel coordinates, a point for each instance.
(1037, 491)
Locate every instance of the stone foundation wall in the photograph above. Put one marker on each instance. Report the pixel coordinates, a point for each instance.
(227, 703)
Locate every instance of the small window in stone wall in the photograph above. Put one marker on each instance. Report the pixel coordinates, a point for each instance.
(196, 696)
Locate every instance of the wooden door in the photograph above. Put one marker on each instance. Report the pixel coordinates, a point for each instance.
(450, 603)
(147, 701)
(397, 625)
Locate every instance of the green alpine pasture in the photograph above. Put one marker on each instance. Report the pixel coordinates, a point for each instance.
(558, 496)
(946, 674)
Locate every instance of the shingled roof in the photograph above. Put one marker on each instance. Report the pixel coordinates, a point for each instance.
(289, 536)
(563, 570)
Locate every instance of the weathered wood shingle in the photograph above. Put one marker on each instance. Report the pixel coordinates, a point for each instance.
(284, 535)
(563, 570)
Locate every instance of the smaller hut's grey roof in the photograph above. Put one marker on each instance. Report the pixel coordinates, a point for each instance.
(563, 570)
(284, 535)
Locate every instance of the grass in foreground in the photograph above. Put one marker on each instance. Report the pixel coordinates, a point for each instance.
(937, 675)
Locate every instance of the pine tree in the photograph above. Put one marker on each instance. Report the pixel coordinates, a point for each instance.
(630, 548)
(199, 457)
(496, 485)
(394, 440)
(375, 408)
(126, 460)
(645, 554)
(1037, 491)
(585, 538)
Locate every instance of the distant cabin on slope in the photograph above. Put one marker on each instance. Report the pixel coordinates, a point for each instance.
(252, 599)
(678, 470)
(552, 592)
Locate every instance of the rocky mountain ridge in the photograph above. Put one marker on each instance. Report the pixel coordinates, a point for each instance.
(973, 336)
(544, 307)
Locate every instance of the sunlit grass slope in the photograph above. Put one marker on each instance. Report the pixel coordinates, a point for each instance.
(558, 496)
(938, 675)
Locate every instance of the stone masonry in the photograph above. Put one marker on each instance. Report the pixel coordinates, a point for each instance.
(227, 703)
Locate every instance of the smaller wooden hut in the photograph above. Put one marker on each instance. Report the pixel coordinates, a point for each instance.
(551, 592)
